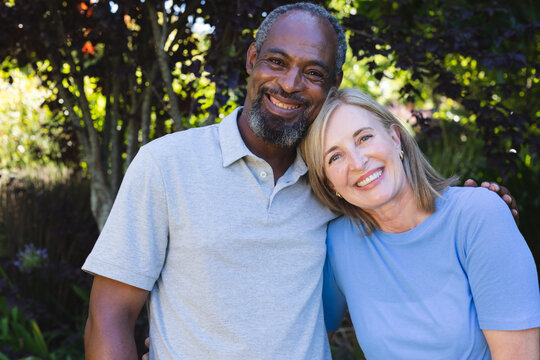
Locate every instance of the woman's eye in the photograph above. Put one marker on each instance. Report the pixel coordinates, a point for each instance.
(333, 158)
(363, 138)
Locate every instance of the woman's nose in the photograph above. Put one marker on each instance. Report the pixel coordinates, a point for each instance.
(357, 160)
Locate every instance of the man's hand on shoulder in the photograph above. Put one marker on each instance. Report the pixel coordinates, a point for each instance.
(146, 356)
(503, 192)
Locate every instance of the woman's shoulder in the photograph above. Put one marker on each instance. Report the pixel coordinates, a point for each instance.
(471, 198)
(341, 228)
(474, 206)
(340, 223)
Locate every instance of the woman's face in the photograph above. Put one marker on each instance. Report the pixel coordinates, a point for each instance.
(361, 158)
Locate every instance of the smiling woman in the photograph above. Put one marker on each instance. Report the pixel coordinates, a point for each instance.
(427, 270)
(351, 129)
(362, 160)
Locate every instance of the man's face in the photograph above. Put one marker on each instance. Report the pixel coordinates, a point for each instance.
(290, 77)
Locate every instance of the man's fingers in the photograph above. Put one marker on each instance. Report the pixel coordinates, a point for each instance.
(147, 344)
(495, 187)
(504, 193)
(470, 182)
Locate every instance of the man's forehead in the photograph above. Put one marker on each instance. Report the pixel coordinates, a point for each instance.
(300, 29)
(301, 20)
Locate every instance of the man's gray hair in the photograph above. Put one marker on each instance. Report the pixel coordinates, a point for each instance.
(314, 10)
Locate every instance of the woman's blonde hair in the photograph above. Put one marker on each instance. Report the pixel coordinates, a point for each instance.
(426, 183)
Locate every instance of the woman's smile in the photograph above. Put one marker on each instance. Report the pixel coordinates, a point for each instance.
(370, 179)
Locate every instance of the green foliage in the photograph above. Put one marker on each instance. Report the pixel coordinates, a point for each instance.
(482, 55)
(23, 339)
(19, 334)
(24, 141)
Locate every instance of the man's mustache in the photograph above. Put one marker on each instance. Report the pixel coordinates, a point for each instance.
(283, 94)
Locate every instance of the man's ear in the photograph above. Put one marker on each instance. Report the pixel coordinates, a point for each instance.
(337, 80)
(251, 57)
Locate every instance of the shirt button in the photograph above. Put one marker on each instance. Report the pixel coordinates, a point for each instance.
(263, 174)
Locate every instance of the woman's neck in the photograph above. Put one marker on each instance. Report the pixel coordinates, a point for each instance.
(401, 214)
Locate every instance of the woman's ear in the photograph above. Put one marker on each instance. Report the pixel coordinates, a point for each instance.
(330, 185)
(395, 135)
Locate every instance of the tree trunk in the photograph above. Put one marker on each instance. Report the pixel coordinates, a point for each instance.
(160, 38)
(132, 126)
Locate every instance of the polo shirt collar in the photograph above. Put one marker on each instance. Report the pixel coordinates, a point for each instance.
(233, 147)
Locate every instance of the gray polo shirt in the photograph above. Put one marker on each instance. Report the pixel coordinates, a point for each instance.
(233, 262)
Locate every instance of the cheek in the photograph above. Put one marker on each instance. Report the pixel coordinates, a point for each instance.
(318, 96)
(337, 175)
(384, 151)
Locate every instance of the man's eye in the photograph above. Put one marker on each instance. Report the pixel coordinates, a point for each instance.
(276, 61)
(315, 73)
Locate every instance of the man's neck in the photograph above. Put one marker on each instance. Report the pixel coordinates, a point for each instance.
(279, 158)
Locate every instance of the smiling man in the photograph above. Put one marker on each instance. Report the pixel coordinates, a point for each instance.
(218, 224)
(291, 71)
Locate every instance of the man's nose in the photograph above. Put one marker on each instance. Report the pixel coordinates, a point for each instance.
(292, 80)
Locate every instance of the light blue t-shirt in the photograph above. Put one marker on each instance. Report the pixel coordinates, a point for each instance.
(428, 292)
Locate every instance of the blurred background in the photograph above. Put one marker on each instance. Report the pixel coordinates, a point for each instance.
(83, 84)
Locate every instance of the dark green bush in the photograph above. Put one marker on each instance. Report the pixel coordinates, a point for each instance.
(46, 231)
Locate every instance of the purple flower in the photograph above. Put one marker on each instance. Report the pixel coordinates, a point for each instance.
(31, 258)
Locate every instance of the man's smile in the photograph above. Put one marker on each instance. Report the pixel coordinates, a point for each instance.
(281, 104)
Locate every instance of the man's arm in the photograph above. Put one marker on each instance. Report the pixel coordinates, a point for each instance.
(114, 308)
(514, 345)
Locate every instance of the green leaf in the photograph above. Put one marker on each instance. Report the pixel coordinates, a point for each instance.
(39, 341)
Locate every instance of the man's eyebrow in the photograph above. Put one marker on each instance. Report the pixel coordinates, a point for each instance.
(319, 63)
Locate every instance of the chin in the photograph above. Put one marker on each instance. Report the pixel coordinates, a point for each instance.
(273, 130)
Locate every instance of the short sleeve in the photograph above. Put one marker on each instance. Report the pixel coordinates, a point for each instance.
(132, 245)
(501, 270)
(333, 299)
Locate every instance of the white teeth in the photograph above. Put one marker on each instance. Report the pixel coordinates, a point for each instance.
(370, 178)
(282, 105)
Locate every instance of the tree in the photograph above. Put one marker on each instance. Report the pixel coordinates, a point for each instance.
(481, 54)
(126, 72)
